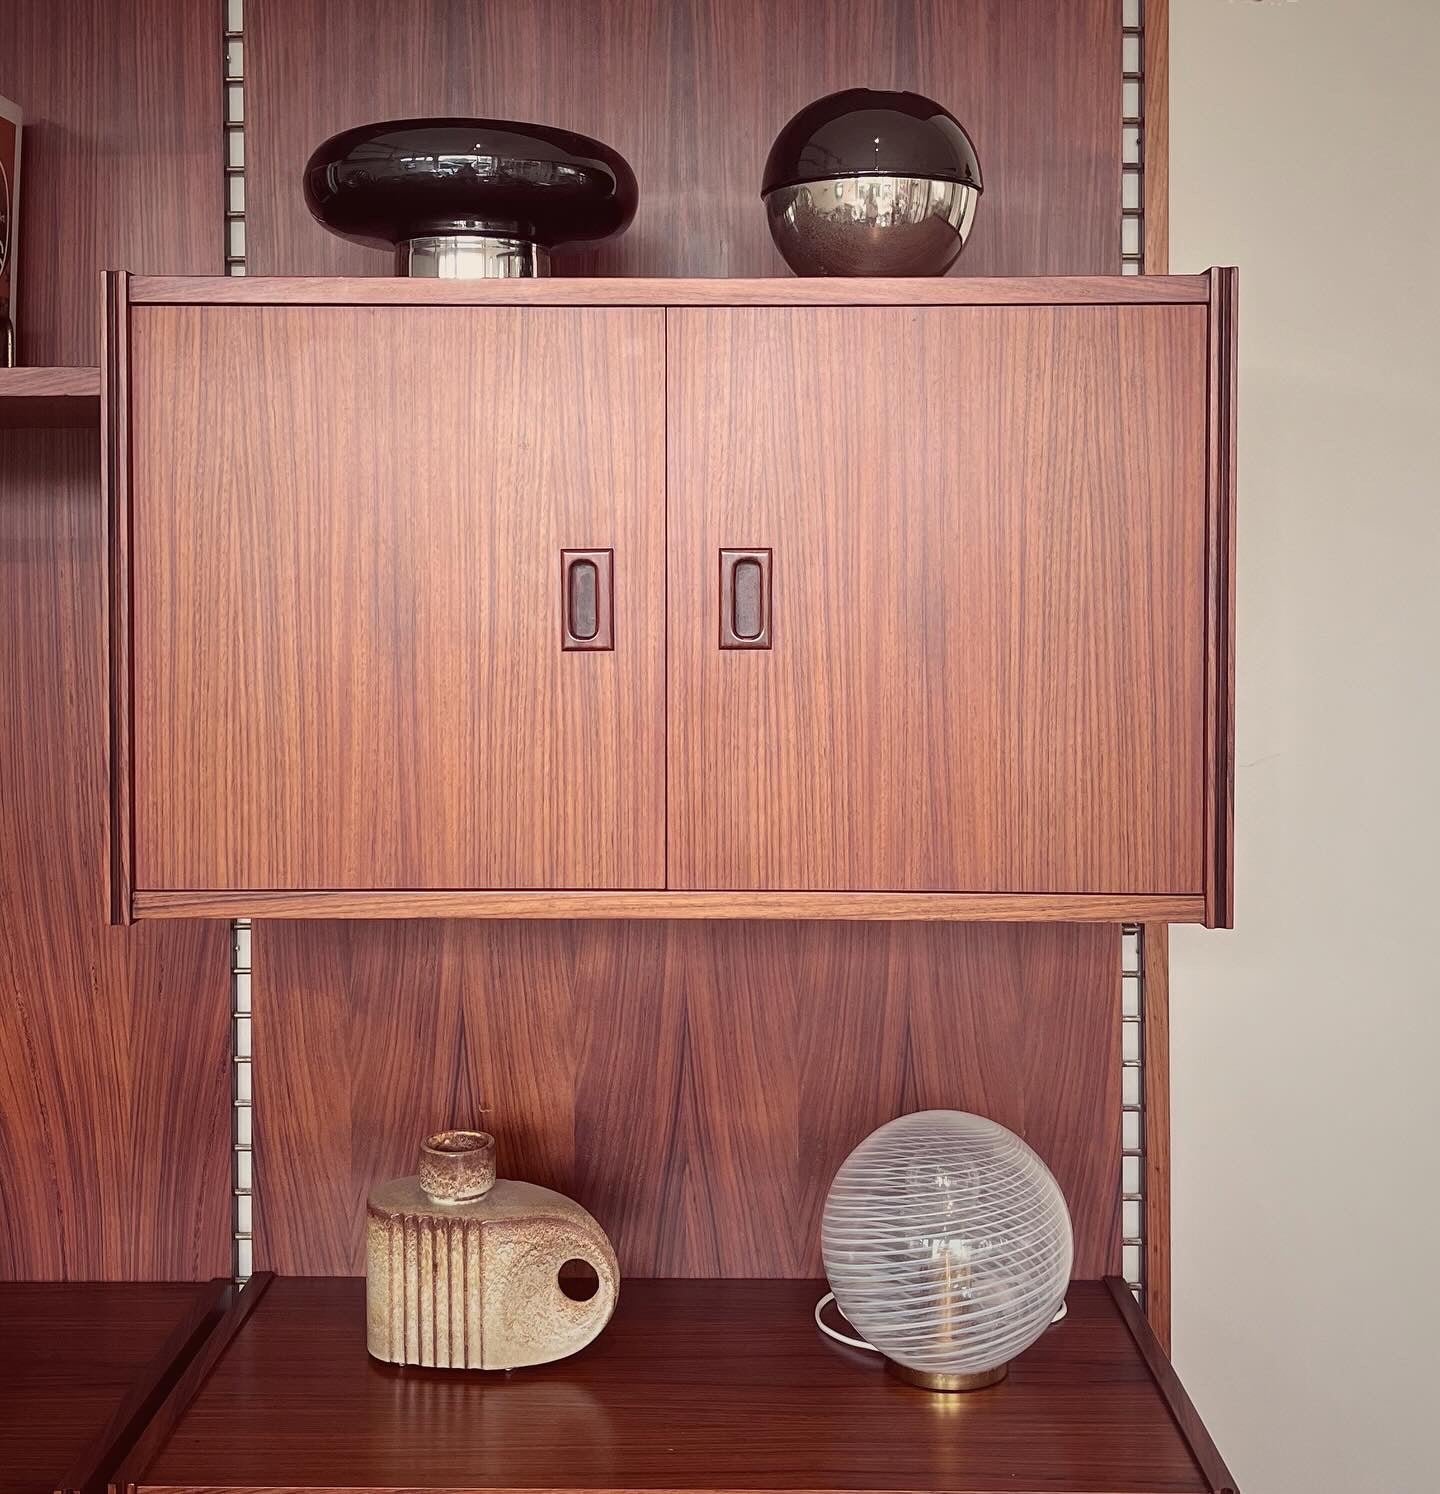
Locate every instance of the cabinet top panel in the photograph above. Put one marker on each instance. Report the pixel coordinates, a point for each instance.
(1077, 290)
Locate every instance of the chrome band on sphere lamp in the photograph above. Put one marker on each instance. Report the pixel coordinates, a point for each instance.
(865, 182)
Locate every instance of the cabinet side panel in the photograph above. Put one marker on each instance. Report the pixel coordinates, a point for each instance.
(348, 526)
(115, 491)
(695, 1085)
(988, 538)
(1220, 583)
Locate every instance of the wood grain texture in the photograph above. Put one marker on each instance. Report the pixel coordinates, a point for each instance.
(694, 1085)
(114, 1096)
(233, 1311)
(1220, 605)
(1155, 185)
(122, 155)
(1155, 953)
(988, 528)
(149, 1386)
(114, 1091)
(1037, 290)
(39, 398)
(1006, 907)
(704, 1385)
(72, 1357)
(1182, 1408)
(692, 92)
(349, 673)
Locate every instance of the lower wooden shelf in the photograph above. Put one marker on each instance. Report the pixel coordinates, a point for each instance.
(83, 1366)
(695, 1385)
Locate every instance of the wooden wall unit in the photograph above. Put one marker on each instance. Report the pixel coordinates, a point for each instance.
(114, 1091)
(692, 92)
(694, 1082)
(122, 162)
(695, 1085)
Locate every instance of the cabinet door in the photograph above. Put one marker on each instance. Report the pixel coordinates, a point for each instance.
(347, 536)
(984, 641)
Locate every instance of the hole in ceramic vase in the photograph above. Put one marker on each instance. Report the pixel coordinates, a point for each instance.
(578, 1280)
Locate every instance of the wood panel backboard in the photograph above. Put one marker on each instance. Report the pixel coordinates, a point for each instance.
(114, 1091)
(694, 1084)
(122, 155)
(692, 92)
(114, 1043)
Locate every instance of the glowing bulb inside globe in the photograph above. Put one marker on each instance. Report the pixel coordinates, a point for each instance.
(948, 1246)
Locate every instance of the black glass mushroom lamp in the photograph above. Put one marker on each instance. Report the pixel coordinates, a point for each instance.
(866, 182)
(469, 198)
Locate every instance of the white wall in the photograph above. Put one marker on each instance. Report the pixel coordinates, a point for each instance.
(1305, 148)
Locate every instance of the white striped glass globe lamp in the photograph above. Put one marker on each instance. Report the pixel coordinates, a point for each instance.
(948, 1247)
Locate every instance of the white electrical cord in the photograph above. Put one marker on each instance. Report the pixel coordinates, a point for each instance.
(859, 1343)
(829, 1332)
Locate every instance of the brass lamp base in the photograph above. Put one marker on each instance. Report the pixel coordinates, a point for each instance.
(940, 1380)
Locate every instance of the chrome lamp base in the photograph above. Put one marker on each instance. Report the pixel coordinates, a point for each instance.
(470, 256)
(938, 1380)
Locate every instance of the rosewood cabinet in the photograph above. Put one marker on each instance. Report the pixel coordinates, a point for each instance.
(767, 598)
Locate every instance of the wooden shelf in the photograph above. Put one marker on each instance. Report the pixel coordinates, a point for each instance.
(633, 290)
(49, 397)
(1003, 907)
(82, 1366)
(695, 1385)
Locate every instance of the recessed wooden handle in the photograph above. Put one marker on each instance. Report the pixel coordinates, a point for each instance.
(587, 601)
(745, 599)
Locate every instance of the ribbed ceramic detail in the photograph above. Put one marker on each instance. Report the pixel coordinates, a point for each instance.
(475, 1283)
(947, 1242)
(426, 1293)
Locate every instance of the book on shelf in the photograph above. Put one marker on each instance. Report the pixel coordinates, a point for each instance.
(10, 121)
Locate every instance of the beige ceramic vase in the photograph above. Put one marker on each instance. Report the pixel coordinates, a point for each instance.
(463, 1271)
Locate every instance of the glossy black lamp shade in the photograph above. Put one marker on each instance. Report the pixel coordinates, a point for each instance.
(866, 182)
(409, 181)
(869, 132)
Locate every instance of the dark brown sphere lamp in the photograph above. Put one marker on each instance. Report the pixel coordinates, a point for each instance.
(865, 182)
(469, 198)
